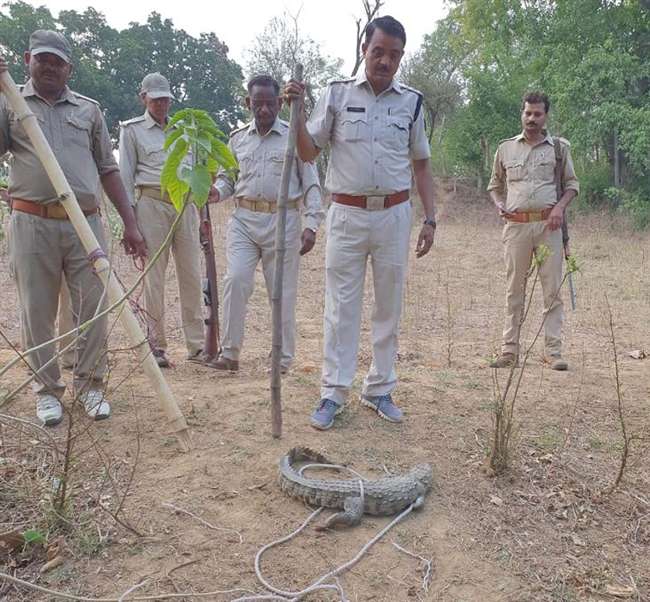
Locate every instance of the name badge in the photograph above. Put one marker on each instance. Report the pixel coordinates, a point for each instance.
(356, 109)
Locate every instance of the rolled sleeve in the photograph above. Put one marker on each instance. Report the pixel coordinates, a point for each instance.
(498, 178)
(418, 141)
(569, 179)
(313, 198)
(128, 162)
(321, 120)
(102, 147)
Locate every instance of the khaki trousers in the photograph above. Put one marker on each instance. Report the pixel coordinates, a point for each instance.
(40, 252)
(353, 236)
(155, 218)
(251, 237)
(519, 242)
(65, 323)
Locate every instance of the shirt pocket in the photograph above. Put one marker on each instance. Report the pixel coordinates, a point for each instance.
(515, 170)
(545, 169)
(398, 131)
(354, 127)
(155, 153)
(78, 131)
(276, 162)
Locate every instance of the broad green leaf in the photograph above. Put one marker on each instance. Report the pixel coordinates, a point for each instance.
(172, 137)
(169, 179)
(200, 184)
(193, 130)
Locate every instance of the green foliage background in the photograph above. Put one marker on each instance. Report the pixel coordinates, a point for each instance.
(109, 64)
(592, 57)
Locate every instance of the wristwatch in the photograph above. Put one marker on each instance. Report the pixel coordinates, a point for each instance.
(430, 222)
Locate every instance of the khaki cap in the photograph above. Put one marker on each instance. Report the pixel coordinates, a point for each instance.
(155, 85)
(46, 40)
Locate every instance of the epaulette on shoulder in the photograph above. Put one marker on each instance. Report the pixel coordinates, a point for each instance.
(77, 95)
(137, 119)
(239, 129)
(507, 139)
(341, 81)
(411, 89)
(563, 141)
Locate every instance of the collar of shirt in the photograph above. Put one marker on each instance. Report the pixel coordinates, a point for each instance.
(67, 96)
(276, 127)
(150, 121)
(548, 139)
(362, 78)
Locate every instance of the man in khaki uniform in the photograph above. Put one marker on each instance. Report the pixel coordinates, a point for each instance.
(43, 243)
(524, 191)
(141, 161)
(375, 130)
(259, 147)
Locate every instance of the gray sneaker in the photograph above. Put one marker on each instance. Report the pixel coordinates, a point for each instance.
(384, 406)
(96, 405)
(323, 416)
(48, 409)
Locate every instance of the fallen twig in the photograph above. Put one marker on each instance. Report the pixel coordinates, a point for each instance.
(202, 521)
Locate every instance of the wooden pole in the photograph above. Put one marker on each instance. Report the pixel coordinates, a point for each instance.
(278, 274)
(96, 257)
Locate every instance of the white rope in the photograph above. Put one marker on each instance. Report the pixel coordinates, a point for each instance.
(277, 594)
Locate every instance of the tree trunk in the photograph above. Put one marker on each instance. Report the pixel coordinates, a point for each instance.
(617, 162)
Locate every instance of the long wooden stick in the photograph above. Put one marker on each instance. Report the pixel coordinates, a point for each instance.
(96, 257)
(278, 274)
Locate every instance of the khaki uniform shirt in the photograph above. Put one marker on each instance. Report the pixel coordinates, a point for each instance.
(75, 129)
(525, 174)
(260, 171)
(373, 138)
(142, 153)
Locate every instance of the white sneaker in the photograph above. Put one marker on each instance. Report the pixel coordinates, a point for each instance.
(95, 404)
(49, 409)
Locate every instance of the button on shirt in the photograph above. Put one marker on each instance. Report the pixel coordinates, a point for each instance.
(373, 138)
(260, 171)
(75, 129)
(142, 153)
(526, 174)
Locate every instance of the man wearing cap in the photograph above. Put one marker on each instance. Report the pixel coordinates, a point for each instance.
(44, 246)
(375, 130)
(524, 191)
(259, 147)
(142, 157)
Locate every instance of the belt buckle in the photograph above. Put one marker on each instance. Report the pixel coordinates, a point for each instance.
(534, 216)
(56, 211)
(375, 203)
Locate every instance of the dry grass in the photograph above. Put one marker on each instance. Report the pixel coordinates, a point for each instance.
(543, 531)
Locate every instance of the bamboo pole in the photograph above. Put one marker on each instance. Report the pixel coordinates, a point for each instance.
(96, 257)
(278, 274)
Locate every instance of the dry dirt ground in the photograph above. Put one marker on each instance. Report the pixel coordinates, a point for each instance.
(545, 530)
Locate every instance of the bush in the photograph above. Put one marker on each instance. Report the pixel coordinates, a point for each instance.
(635, 203)
(595, 180)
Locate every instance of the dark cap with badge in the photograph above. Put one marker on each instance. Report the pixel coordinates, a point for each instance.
(155, 85)
(46, 40)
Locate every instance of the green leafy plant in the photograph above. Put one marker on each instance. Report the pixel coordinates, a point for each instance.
(34, 537)
(193, 133)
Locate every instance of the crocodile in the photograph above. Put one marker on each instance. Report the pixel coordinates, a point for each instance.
(381, 497)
